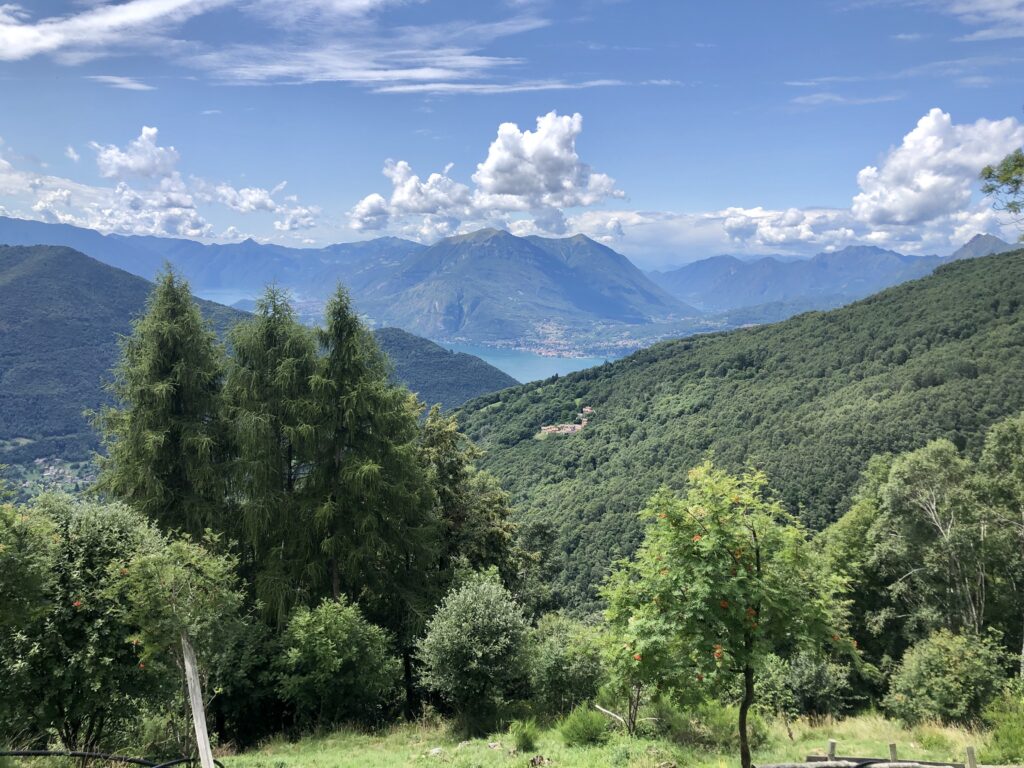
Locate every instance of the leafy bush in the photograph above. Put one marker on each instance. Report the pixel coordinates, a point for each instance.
(1005, 716)
(335, 666)
(584, 727)
(473, 651)
(525, 734)
(565, 664)
(809, 684)
(946, 677)
(711, 726)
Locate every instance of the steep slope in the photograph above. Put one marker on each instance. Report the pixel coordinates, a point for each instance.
(982, 245)
(436, 374)
(809, 400)
(493, 286)
(60, 315)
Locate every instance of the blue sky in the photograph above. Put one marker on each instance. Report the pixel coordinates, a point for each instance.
(671, 130)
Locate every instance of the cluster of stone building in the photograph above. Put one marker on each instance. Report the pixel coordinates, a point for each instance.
(572, 428)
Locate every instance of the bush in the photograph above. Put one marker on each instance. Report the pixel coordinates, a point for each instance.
(584, 727)
(524, 734)
(335, 666)
(1005, 716)
(946, 677)
(565, 665)
(807, 684)
(711, 726)
(473, 651)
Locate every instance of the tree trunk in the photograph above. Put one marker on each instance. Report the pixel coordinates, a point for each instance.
(748, 700)
(195, 698)
(335, 580)
(411, 702)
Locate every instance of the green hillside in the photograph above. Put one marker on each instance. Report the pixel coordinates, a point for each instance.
(436, 374)
(809, 400)
(60, 315)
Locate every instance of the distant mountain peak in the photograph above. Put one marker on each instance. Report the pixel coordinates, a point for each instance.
(982, 244)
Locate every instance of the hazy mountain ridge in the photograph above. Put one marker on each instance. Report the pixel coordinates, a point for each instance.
(725, 283)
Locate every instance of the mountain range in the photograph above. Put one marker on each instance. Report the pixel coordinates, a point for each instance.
(566, 296)
(61, 314)
(723, 284)
(935, 357)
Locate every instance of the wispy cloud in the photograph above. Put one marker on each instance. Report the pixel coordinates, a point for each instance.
(94, 31)
(826, 97)
(495, 88)
(124, 83)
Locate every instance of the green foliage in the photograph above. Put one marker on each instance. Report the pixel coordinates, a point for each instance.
(27, 551)
(584, 727)
(724, 578)
(69, 667)
(1005, 716)
(709, 726)
(1005, 183)
(947, 677)
(525, 734)
(565, 664)
(806, 683)
(473, 653)
(63, 313)
(808, 400)
(336, 667)
(269, 406)
(435, 374)
(166, 443)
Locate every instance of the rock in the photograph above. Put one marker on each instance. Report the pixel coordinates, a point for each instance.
(494, 745)
(436, 752)
(539, 760)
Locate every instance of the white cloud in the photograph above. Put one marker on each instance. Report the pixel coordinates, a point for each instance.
(142, 157)
(71, 154)
(827, 97)
(248, 199)
(123, 83)
(297, 217)
(94, 30)
(536, 174)
(995, 19)
(934, 170)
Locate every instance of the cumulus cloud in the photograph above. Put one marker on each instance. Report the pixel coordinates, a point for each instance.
(536, 174)
(248, 199)
(142, 157)
(296, 218)
(71, 154)
(933, 171)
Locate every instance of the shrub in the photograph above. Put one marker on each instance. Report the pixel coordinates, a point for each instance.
(584, 727)
(565, 665)
(809, 684)
(946, 677)
(710, 726)
(335, 666)
(1005, 716)
(473, 651)
(524, 734)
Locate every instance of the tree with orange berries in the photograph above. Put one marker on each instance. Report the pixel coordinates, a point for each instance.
(727, 577)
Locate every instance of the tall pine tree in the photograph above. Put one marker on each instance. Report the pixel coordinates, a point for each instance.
(271, 412)
(167, 447)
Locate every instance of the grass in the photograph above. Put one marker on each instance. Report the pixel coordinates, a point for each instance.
(425, 745)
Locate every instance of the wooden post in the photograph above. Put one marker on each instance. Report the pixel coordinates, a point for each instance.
(195, 699)
(972, 761)
(831, 749)
(892, 753)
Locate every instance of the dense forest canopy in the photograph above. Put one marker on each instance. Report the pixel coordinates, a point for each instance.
(808, 400)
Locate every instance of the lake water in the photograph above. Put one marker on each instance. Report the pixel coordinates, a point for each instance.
(526, 366)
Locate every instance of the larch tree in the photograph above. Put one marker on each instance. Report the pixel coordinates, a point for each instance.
(167, 446)
(373, 520)
(269, 405)
(723, 579)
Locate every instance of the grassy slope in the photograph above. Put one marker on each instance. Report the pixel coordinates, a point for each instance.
(810, 400)
(865, 736)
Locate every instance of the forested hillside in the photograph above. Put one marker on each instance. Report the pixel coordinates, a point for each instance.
(809, 400)
(60, 316)
(436, 374)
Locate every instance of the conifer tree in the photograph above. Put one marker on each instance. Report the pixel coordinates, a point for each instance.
(373, 522)
(270, 409)
(166, 443)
